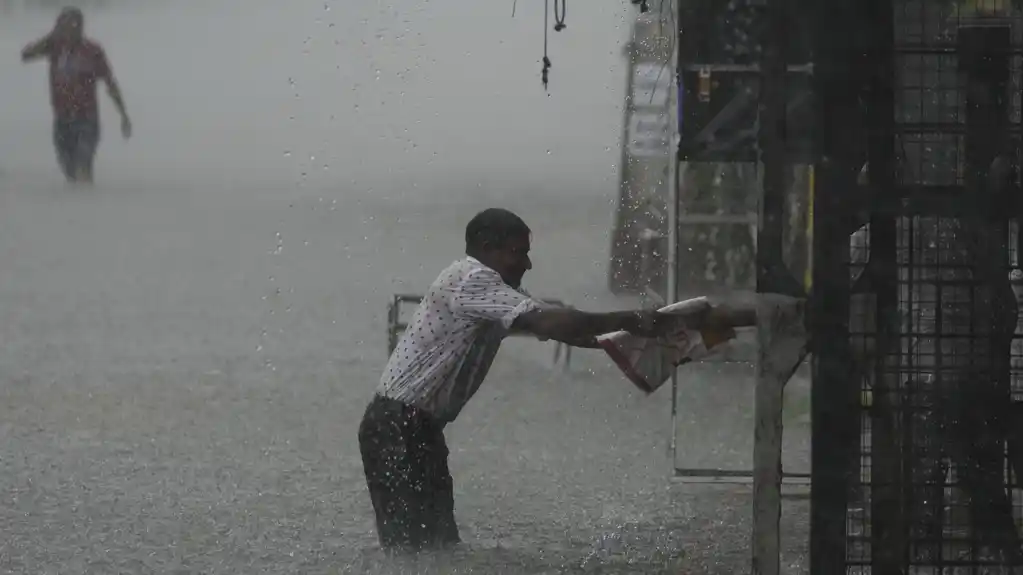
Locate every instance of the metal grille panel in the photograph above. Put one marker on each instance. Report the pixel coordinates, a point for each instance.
(932, 315)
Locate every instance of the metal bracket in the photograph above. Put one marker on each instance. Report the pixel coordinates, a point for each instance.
(732, 476)
(742, 68)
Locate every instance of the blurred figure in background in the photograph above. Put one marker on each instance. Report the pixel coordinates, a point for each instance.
(76, 63)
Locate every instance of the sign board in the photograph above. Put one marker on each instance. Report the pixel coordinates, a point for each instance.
(649, 134)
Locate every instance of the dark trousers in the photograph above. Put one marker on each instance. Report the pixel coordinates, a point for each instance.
(405, 459)
(76, 142)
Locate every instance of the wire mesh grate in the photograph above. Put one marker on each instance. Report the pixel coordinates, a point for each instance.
(933, 321)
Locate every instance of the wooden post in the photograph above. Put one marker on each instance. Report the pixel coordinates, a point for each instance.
(780, 352)
(781, 335)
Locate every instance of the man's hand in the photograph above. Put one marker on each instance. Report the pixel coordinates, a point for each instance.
(37, 49)
(125, 126)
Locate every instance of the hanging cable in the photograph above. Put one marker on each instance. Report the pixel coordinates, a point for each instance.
(559, 25)
(546, 61)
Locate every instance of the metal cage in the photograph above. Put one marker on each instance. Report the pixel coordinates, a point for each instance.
(918, 433)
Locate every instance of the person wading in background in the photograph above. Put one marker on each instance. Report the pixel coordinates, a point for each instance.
(442, 359)
(76, 64)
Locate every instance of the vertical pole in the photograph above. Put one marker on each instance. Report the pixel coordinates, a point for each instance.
(834, 397)
(808, 272)
(890, 471)
(677, 174)
(772, 276)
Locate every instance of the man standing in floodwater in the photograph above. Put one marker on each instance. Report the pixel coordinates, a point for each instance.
(445, 354)
(76, 64)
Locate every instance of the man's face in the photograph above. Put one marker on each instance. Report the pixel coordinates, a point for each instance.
(68, 28)
(512, 260)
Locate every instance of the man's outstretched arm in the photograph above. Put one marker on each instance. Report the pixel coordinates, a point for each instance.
(580, 329)
(484, 295)
(113, 88)
(716, 322)
(36, 50)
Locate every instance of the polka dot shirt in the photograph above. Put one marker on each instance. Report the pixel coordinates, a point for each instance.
(451, 341)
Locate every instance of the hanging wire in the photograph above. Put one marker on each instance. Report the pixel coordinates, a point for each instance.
(559, 25)
(544, 75)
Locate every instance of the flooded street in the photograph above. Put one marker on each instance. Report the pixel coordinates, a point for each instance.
(186, 350)
(166, 409)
